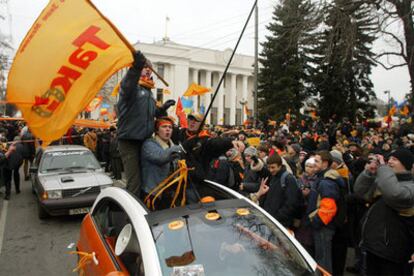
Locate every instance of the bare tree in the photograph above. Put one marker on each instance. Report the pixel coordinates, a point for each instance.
(394, 13)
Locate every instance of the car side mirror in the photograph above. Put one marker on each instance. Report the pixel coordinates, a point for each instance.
(33, 169)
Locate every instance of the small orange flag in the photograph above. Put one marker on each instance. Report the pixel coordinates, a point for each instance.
(196, 90)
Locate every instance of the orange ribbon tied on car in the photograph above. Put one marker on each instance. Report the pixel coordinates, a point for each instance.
(84, 260)
(178, 177)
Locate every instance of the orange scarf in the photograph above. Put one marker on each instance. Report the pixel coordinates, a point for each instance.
(147, 83)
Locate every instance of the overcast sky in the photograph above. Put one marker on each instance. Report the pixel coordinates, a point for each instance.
(210, 24)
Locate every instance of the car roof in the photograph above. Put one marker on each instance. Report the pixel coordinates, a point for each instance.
(65, 148)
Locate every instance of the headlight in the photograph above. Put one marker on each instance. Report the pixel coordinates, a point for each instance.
(105, 186)
(54, 194)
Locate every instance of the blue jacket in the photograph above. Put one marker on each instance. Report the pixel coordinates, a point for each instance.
(327, 186)
(136, 108)
(155, 163)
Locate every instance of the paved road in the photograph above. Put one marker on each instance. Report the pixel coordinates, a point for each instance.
(30, 246)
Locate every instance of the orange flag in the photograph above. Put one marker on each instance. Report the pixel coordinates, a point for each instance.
(392, 111)
(196, 90)
(179, 111)
(64, 60)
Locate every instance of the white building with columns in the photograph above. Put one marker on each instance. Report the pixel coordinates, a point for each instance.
(180, 65)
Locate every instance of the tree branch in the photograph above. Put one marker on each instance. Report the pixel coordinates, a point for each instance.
(397, 40)
(392, 66)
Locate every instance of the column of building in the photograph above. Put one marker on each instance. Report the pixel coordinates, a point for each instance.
(233, 99)
(244, 96)
(220, 103)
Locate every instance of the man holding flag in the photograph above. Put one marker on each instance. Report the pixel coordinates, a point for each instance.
(137, 111)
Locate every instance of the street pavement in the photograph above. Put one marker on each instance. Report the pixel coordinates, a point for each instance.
(30, 246)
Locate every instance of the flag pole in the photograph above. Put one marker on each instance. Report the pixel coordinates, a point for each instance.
(227, 67)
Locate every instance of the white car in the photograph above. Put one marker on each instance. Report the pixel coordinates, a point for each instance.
(66, 180)
(230, 236)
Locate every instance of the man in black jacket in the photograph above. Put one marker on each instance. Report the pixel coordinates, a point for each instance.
(137, 111)
(280, 195)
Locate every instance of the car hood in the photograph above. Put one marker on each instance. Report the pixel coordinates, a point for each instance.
(72, 180)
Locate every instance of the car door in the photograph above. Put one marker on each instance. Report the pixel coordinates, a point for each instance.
(99, 232)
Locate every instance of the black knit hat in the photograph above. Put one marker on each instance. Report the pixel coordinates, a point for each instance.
(405, 157)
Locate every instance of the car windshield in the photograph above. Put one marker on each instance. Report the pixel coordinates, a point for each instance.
(231, 241)
(67, 160)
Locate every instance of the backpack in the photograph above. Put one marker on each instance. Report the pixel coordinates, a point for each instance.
(300, 208)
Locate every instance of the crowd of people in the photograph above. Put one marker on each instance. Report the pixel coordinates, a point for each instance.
(334, 185)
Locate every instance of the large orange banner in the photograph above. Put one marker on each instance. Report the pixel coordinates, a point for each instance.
(64, 60)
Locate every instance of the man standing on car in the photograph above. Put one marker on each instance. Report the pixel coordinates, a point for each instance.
(136, 113)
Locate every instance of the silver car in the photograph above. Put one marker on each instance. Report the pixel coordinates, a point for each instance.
(66, 180)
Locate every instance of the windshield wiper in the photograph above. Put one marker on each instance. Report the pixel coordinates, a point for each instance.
(53, 169)
(76, 168)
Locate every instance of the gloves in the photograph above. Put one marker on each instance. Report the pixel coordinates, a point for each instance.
(168, 104)
(139, 60)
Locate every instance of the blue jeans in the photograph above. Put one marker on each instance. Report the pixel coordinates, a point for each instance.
(323, 247)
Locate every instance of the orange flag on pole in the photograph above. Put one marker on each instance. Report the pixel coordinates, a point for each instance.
(196, 90)
(179, 111)
(64, 60)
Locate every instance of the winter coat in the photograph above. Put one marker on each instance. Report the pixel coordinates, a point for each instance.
(397, 190)
(220, 171)
(136, 109)
(29, 149)
(113, 148)
(155, 163)
(387, 234)
(398, 194)
(253, 173)
(200, 151)
(16, 158)
(322, 206)
(282, 202)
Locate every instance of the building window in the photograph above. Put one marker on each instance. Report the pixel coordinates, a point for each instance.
(161, 72)
(161, 69)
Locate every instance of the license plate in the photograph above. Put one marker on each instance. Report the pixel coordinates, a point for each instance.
(78, 211)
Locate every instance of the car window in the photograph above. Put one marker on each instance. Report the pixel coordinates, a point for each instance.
(232, 241)
(110, 219)
(68, 160)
